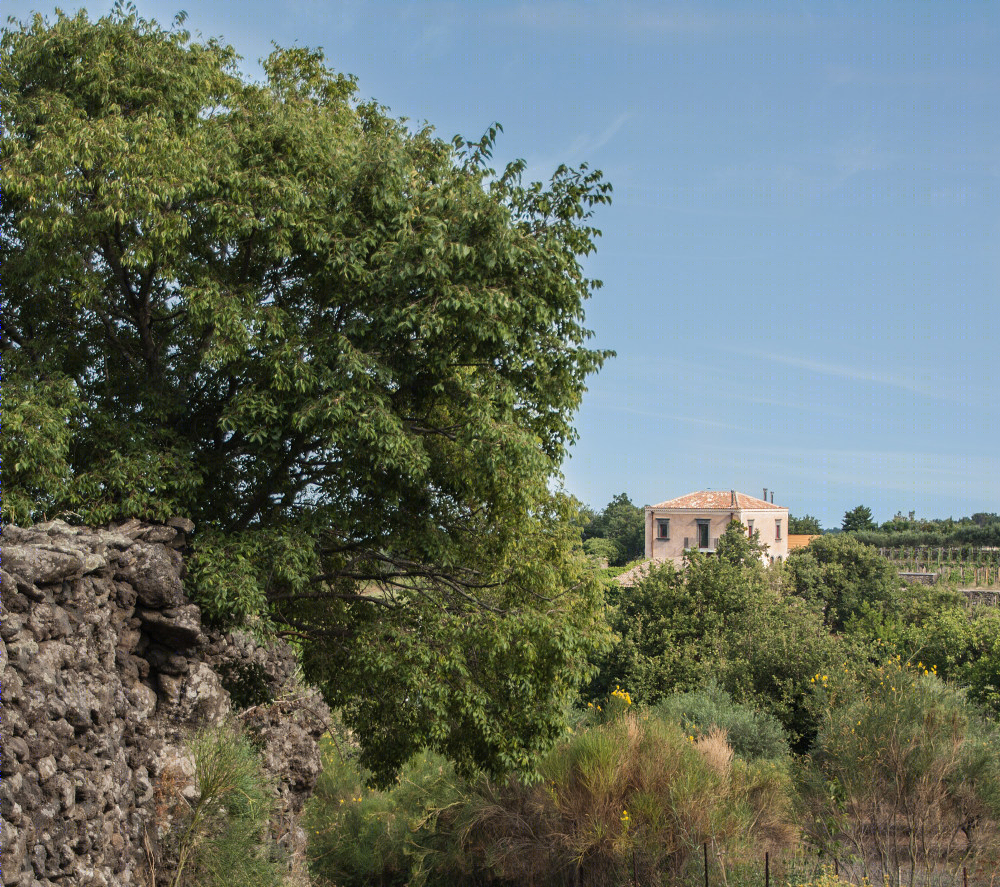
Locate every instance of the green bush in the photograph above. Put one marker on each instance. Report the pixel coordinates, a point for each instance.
(719, 620)
(361, 836)
(842, 574)
(981, 672)
(752, 733)
(908, 757)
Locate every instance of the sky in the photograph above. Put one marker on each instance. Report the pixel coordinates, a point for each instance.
(802, 257)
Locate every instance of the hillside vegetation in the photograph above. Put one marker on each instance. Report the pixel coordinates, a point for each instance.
(820, 711)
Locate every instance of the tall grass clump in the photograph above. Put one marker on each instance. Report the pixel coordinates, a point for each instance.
(223, 835)
(634, 797)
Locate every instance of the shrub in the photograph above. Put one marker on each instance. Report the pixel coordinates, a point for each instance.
(752, 733)
(842, 574)
(981, 674)
(360, 836)
(909, 774)
(634, 795)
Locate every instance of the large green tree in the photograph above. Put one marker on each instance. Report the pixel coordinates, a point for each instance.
(621, 527)
(859, 518)
(844, 576)
(805, 525)
(346, 348)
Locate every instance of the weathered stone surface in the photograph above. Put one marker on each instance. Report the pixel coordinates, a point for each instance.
(45, 565)
(87, 740)
(178, 626)
(182, 524)
(153, 574)
(158, 534)
(167, 662)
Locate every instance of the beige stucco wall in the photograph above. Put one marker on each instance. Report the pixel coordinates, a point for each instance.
(684, 525)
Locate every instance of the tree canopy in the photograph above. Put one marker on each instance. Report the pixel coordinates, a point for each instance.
(346, 348)
(843, 575)
(617, 533)
(805, 525)
(859, 518)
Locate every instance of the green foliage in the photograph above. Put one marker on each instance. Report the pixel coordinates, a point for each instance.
(752, 733)
(225, 833)
(980, 530)
(620, 530)
(246, 682)
(806, 525)
(980, 672)
(349, 351)
(633, 790)
(35, 444)
(718, 621)
(601, 549)
(925, 624)
(909, 751)
(859, 518)
(736, 548)
(842, 575)
(487, 686)
(360, 836)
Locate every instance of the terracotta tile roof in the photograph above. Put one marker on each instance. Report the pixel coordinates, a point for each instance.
(723, 500)
(796, 540)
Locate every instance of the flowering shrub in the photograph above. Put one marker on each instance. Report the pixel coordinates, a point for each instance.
(910, 773)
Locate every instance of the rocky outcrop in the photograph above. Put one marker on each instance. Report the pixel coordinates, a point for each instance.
(106, 670)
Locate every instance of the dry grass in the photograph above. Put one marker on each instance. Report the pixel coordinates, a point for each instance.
(632, 794)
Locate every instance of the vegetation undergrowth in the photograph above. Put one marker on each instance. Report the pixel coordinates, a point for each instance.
(626, 790)
(222, 836)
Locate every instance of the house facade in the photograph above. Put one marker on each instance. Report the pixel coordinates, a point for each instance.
(697, 520)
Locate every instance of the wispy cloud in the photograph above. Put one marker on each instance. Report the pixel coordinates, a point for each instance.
(583, 148)
(973, 477)
(649, 20)
(669, 417)
(910, 383)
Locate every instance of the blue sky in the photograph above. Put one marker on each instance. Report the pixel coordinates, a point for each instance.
(801, 263)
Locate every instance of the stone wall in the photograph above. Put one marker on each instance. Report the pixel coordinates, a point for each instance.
(106, 670)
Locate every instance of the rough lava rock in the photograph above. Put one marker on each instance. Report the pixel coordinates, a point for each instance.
(106, 672)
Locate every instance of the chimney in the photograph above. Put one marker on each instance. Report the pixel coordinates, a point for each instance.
(772, 497)
(765, 494)
(732, 498)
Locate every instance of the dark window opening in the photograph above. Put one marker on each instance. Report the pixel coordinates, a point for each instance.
(703, 533)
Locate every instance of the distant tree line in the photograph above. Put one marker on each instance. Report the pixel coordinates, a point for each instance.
(980, 530)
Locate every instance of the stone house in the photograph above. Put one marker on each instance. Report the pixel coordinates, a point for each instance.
(697, 520)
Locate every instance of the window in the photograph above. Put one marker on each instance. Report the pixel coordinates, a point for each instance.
(703, 533)
(777, 530)
(750, 528)
(663, 528)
